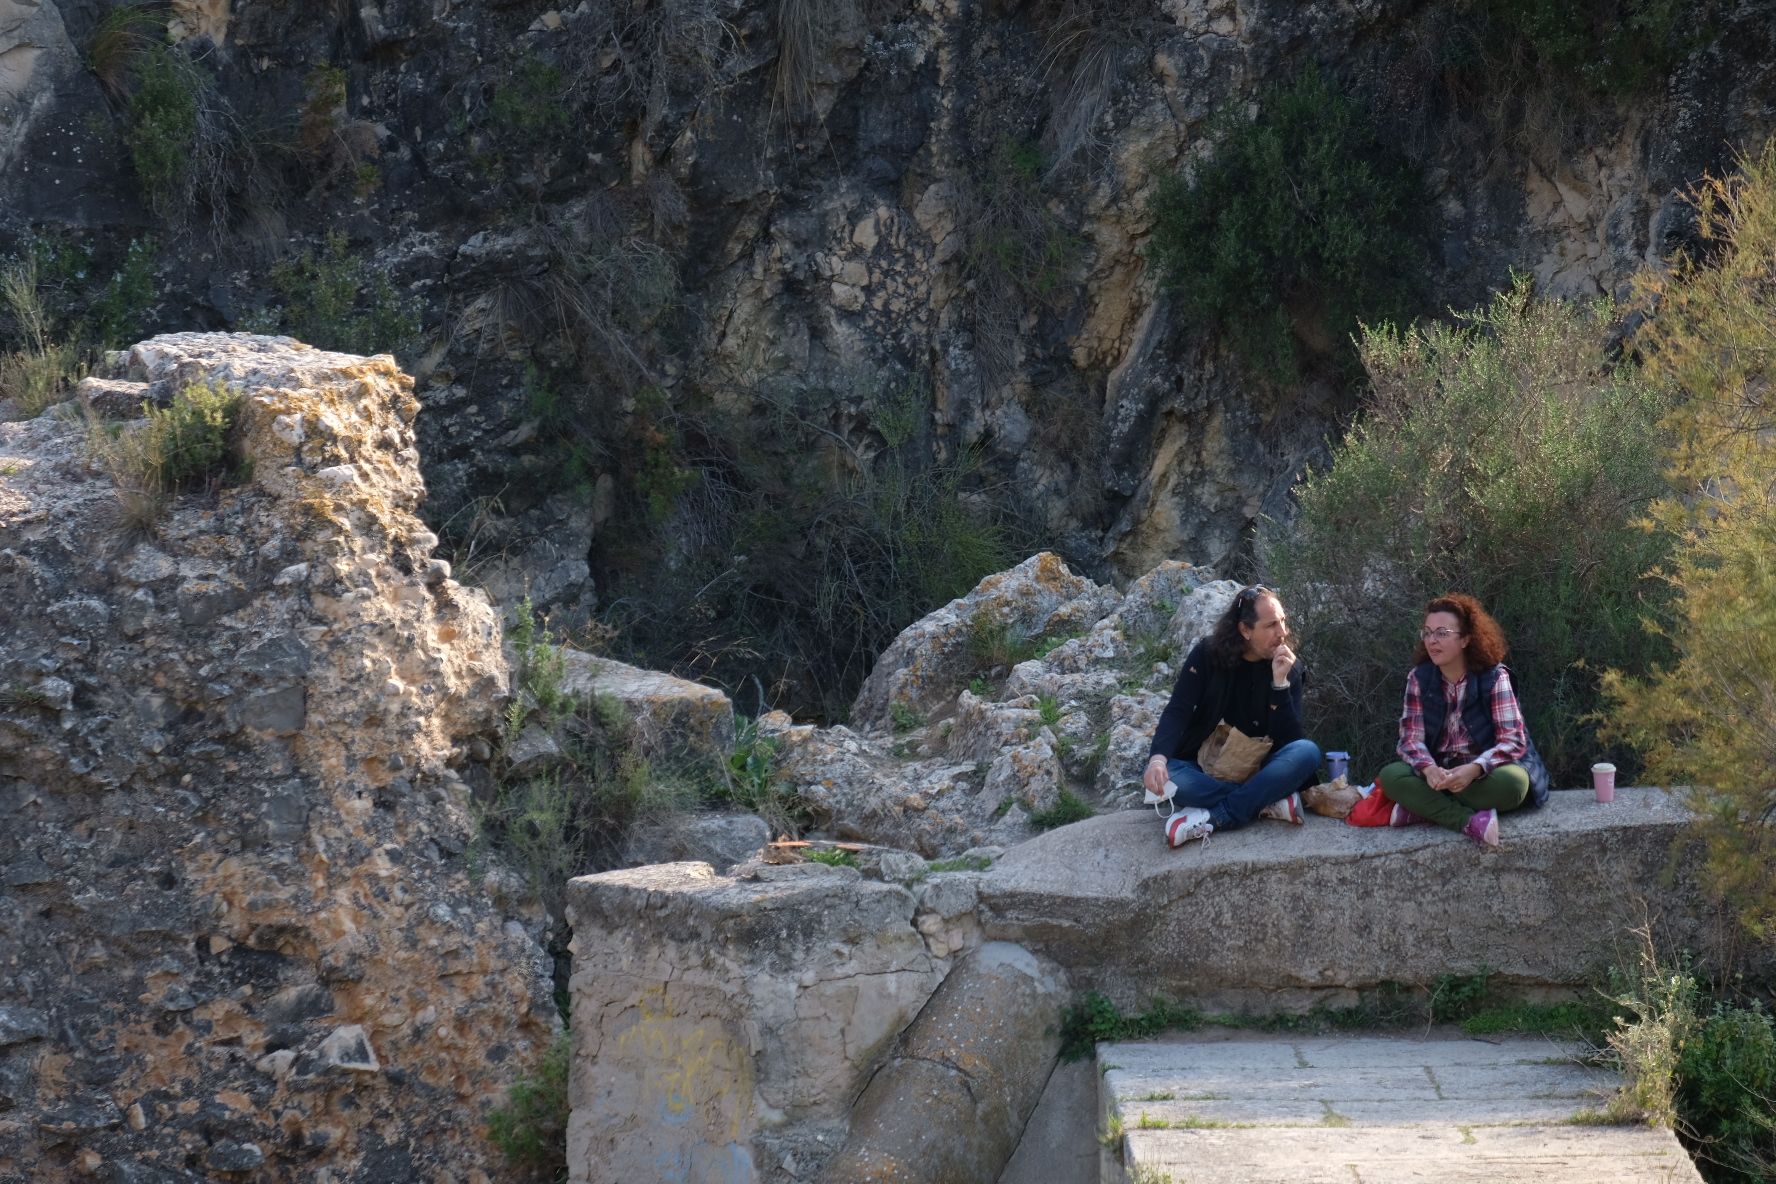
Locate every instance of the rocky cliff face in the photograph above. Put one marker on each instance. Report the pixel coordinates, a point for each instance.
(616, 220)
(242, 930)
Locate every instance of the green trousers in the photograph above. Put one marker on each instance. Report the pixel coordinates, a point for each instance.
(1502, 789)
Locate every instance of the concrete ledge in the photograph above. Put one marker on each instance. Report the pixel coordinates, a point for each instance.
(1275, 916)
(723, 1026)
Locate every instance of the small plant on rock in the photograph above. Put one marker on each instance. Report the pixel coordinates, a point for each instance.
(755, 784)
(530, 1126)
(181, 445)
(1068, 807)
(539, 670)
(904, 718)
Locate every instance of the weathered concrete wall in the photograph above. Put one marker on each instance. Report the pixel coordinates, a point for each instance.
(723, 1026)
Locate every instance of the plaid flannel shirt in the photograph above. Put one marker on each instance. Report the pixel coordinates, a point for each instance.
(1455, 747)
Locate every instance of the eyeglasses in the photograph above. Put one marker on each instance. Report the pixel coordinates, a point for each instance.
(1439, 634)
(1247, 595)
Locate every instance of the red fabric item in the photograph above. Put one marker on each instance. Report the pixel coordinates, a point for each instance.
(1374, 810)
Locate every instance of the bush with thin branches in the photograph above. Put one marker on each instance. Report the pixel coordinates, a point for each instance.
(1707, 719)
(1508, 457)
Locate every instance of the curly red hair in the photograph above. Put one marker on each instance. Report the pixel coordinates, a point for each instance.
(1486, 641)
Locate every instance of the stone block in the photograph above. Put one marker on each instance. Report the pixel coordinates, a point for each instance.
(724, 1024)
(681, 725)
(720, 840)
(950, 1103)
(1276, 916)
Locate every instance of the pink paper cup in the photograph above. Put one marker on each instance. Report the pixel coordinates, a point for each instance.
(1603, 780)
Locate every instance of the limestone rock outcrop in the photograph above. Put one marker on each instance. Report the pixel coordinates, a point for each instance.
(950, 751)
(719, 203)
(242, 932)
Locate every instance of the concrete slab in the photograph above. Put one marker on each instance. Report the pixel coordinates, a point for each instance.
(1276, 916)
(1243, 1109)
(1059, 1145)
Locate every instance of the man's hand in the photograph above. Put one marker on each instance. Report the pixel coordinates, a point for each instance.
(1281, 662)
(1153, 780)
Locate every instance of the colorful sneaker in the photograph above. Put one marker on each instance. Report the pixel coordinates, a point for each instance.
(1285, 810)
(1483, 828)
(1404, 817)
(1192, 822)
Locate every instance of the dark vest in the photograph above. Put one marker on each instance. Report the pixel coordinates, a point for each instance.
(1477, 719)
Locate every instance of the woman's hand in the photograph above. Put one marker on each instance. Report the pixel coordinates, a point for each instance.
(1154, 778)
(1452, 780)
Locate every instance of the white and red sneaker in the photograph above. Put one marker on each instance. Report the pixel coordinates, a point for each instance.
(1192, 822)
(1285, 810)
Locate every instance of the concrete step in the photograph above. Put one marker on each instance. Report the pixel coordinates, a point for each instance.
(1240, 1108)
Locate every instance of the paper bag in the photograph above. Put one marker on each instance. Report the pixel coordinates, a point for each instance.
(1231, 755)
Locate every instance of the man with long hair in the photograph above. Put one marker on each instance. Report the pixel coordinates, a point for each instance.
(1244, 673)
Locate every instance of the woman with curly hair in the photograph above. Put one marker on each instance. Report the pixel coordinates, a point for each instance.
(1461, 729)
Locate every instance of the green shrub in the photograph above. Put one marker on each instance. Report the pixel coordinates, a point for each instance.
(49, 308)
(1726, 1093)
(1609, 47)
(530, 1127)
(40, 371)
(833, 858)
(904, 718)
(538, 673)
(1300, 224)
(754, 782)
(188, 149)
(35, 379)
(1069, 807)
(332, 299)
(1509, 458)
(1707, 719)
(1018, 255)
(570, 817)
(185, 444)
(164, 114)
(529, 105)
(119, 316)
(1705, 1067)
(797, 557)
(1096, 1019)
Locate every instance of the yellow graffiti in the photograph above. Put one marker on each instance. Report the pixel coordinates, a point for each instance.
(693, 1066)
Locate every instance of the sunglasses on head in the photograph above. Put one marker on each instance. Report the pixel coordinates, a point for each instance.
(1247, 595)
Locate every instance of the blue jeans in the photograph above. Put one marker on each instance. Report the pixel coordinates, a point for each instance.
(1230, 804)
